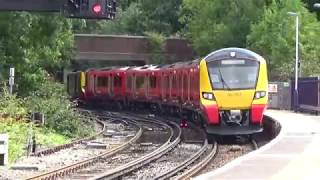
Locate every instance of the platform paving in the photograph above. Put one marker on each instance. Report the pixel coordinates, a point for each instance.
(293, 154)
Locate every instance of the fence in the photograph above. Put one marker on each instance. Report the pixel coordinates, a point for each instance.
(279, 95)
(309, 94)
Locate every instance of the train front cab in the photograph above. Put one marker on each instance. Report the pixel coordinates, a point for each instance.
(228, 109)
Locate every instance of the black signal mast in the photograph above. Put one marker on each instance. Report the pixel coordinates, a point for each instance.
(86, 9)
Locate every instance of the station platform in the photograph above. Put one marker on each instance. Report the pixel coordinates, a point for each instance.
(293, 155)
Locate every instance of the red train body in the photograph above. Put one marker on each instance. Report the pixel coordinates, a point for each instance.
(192, 90)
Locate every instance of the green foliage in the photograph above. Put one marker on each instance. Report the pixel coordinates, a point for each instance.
(51, 100)
(157, 42)
(34, 44)
(219, 23)
(136, 17)
(10, 105)
(274, 38)
(18, 134)
(160, 16)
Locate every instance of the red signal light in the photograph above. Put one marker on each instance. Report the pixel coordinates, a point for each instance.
(183, 124)
(97, 8)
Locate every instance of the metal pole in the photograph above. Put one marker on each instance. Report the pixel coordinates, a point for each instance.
(10, 89)
(11, 80)
(296, 93)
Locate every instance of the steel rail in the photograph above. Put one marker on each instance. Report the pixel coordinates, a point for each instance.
(74, 167)
(254, 144)
(184, 164)
(198, 167)
(69, 145)
(133, 165)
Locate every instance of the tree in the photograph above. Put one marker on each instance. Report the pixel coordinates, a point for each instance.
(219, 23)
(35, 45)
(157, 46)
(274, 38)
(135, 17)
(161, 16)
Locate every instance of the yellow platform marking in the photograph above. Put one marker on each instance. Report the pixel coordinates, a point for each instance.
(306, 166)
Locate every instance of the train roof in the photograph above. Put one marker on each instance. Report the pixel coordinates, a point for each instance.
(227, 53)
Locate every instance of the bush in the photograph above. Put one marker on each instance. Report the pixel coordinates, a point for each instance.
(18, 134)
(52, 101)
(10, 105)
(157, 45)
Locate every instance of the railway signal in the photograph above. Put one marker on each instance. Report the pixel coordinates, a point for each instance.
(90, 9)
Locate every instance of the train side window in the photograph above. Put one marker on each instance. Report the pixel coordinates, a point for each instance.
(129, 82)
(102, 82)
(139, 82)
(94, 83)
(153, 82)
(185, 83)
(167, 82)
(174, 82)
(117, 81)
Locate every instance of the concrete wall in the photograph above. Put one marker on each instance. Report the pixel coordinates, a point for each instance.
(127, 48)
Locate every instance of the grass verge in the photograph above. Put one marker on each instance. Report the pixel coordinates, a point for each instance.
(18, 135)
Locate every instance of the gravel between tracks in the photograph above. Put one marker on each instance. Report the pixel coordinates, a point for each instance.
(174, 158)
(227, 153)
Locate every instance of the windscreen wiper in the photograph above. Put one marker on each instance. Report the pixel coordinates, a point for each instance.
(224, 83)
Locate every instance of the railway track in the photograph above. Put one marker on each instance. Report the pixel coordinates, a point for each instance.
(63, 171)
(189, 151)
(119, 165)
(110, 164)
(225, 152)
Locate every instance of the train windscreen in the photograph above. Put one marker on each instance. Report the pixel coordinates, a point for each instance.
(233, 74)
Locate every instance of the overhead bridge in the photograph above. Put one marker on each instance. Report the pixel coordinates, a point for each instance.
(93, 49)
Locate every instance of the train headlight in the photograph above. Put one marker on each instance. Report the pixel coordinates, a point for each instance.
(260, 94)
(207, 95)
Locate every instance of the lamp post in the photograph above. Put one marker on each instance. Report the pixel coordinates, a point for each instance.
(296, 93)
(316, 5)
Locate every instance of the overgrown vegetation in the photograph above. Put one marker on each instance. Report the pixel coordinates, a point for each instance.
(19, 132)
(61, 122)
(52, 101)
(274, 38)
(157, 43)
(36, 45)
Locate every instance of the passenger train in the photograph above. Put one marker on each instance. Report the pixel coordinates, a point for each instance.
(225, 92)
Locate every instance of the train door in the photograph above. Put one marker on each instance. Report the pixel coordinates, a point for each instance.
(129, 84)
(111, 85)
(147, 85)
(163, 85)
(152, 85)
(94, 84)
(196, 87)
(185, 89)
(117, 84)
(170, 85)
